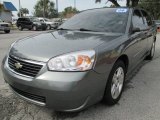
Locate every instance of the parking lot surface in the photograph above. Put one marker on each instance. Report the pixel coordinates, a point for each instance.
(140, 99)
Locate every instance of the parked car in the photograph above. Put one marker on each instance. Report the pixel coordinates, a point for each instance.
(4, 26)
(50, 24)
(30, 23)
(84, 61)
(157, 22)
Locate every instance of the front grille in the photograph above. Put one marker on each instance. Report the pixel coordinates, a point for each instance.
(29, 95)
(4, 25)
(28, 69)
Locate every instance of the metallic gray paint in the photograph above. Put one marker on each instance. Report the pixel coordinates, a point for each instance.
(74, 91)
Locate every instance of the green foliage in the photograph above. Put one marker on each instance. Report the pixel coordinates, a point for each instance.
(152, 6)
(23, 11)
(132, 3)
(69, 10)
(45, 8)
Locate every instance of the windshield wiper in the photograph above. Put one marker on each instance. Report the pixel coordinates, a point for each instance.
(83, 29)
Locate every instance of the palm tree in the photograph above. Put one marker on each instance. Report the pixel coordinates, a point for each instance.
(24, 12)
(45, 8)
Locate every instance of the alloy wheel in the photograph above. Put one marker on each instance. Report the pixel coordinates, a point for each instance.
(117, 83)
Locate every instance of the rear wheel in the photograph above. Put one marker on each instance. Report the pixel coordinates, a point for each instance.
(115, 83)
(7, 31)
(20, 28)
(152, 51)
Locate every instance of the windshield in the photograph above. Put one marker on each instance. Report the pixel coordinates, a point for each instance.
(100, 20)
(47, 20)
(1, 20)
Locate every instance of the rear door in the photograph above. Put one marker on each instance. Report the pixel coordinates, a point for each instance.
(140, 37)
(28, 23)
(150, 29)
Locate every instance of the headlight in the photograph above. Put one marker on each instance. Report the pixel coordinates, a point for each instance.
(76, 61)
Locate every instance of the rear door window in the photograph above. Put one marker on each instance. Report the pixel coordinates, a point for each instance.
(137, 20)
(20, 19)
(147, 18)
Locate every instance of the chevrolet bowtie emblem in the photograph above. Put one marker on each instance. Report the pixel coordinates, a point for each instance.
(18, 65)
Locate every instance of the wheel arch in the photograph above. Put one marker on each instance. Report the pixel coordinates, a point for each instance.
(125, 59)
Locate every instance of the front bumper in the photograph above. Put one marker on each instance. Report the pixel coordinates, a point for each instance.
(62, 91)
(4, 28)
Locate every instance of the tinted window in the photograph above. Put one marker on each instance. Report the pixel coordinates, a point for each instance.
(27, 19)
(137, 20)
(147, 18)
(102, 20)
(20, 19)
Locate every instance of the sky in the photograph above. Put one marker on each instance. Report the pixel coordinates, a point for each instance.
(80, 4)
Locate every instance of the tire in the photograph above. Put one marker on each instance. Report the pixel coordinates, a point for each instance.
(152, 51)
(7, 31)
(35, 28)
(115, 84)
(20, 28)
(48, 27)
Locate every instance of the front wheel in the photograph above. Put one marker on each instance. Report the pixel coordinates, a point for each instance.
(152, 51)
(7, 31)
(115, 83)
(35, 28)
(48, 27)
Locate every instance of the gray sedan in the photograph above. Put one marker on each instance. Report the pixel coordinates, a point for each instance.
(86, 60)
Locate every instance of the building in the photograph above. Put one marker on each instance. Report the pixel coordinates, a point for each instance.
(6, 9)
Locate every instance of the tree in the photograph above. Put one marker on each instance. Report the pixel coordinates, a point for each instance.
(132, 3)
(23, 11)
(151, 6)
(45, 8)
(69, 10)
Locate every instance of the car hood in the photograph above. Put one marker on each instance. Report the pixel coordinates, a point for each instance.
(49, 22)
(44, 46)
(3, 23)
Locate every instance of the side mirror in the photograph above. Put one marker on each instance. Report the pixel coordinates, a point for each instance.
(134, 30)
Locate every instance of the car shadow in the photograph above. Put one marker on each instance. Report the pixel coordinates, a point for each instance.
(128, 83)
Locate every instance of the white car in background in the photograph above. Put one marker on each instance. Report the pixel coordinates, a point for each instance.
(50, 24)
(4, 26)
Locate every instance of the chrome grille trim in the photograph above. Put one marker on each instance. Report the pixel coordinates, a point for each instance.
(30, 68)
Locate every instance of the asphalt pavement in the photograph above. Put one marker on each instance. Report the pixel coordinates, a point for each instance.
(140, 99)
